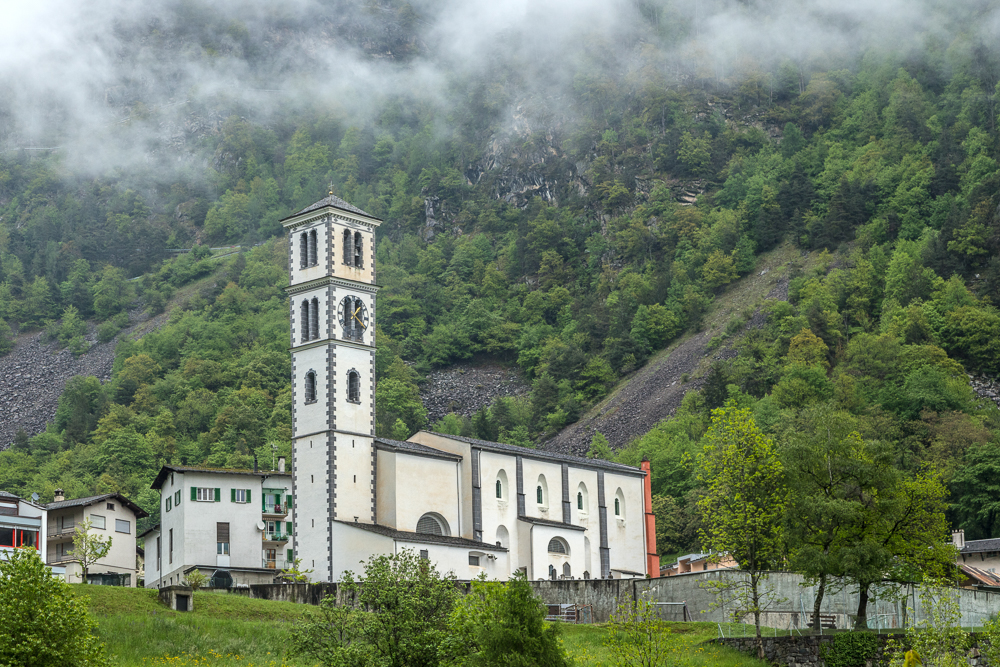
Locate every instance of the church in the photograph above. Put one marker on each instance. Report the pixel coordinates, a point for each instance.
(467, 505)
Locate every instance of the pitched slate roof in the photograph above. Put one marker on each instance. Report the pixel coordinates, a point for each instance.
(422, 537)
(527, 452)
(335, 202)
(549, 522)
(981, 577)
(975, 546)
(415, 448)
(4, 494)
(162, 475)
(90, 500)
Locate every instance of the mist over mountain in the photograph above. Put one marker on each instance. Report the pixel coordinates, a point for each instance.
(125, 85)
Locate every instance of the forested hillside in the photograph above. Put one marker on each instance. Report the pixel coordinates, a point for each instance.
(569, 221)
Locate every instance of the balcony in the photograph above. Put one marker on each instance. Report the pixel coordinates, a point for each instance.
(275, 537)
(276, 564)
(272, 510)
(61, 558)
(68, 529)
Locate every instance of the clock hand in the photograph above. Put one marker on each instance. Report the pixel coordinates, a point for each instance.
(355, 316)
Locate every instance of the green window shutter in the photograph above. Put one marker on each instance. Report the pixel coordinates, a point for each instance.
(248, 495)
(194, 493)
(232, 495)
(288, 527)
(291, 556)
(289, 500)
(218, 495)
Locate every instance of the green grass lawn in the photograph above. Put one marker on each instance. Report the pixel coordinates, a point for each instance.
(231, 630)
(222, 630)
(585, 644)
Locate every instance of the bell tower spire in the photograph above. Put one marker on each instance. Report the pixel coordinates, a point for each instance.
(331, 247)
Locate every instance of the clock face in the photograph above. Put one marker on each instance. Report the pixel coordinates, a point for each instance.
(353, 315)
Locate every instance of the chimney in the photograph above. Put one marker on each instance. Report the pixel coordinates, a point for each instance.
(958, 538)
(59, 497)
(281, 464)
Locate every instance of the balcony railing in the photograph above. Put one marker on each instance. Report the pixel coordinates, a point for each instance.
(275, 537)
(276, 564)
(272, 509)
(66, 529)
(61, 558)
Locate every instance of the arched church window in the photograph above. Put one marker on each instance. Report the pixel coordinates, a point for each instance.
(354, 386)
(358, 251)
(579, 500)
(348, 248)
(310, 387)
(313, 261)
(618, 507)
(539, 496)
(304, 320)
(303, 250)
(557, 545)
(314, 319)
(499, 489)
(619, 504)
(433, 524)
(542, 492)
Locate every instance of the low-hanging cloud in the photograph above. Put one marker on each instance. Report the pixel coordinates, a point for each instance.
(122, 84)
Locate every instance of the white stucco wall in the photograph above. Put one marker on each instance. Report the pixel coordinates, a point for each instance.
(502, 511)
(541, 557)
(310, 418)
(427, 485)
(353, 546)
(626, 533)
(552, 472)
(454, 559)
(310, 456)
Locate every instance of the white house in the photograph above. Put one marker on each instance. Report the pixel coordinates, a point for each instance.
(111, 515)
(22, 525)
(469, 505)
(235, 526)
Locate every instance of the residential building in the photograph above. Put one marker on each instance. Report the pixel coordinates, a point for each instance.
(234, 526)
(111, 515)
(699, 562)
(979, 560)
(22, 525)
(469, 505)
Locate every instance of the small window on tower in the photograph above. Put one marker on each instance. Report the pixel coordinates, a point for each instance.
(354, 387)
(303, 251)
(310, 387)
(314, 319)
(348, 247)
(304, 320)
(313, 261)
(358, 250)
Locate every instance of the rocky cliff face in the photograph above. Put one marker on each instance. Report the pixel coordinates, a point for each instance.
(34, 373)
(465, 388)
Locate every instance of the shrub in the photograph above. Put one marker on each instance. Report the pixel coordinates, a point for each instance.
(107, 331)
(850, 649)
(43, 624)
(499, 624)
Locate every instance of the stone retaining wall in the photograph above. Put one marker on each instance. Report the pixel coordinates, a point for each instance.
(804, 651)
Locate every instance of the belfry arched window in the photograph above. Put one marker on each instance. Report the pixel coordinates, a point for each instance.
(313, 260)
(314, 319)
(358, 251)
(353, 386)
(303, 250)
(310, 387)
(304, 320)
(348, 248)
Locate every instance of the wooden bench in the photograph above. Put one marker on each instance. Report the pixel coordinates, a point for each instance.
(826, 621)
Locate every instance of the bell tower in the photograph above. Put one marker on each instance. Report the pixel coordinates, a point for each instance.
(331, 253)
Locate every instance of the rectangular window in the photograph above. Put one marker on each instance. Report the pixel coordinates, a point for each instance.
(170, 553)
(177, 499)
(6, 537)
(28, 538)
(239, 496)
(291, 556)
(222, 538)
(423, 554)
(111, 507)
(97, 521)
(169, 500)
(123, 526)
(473, 560)
(206, 495)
